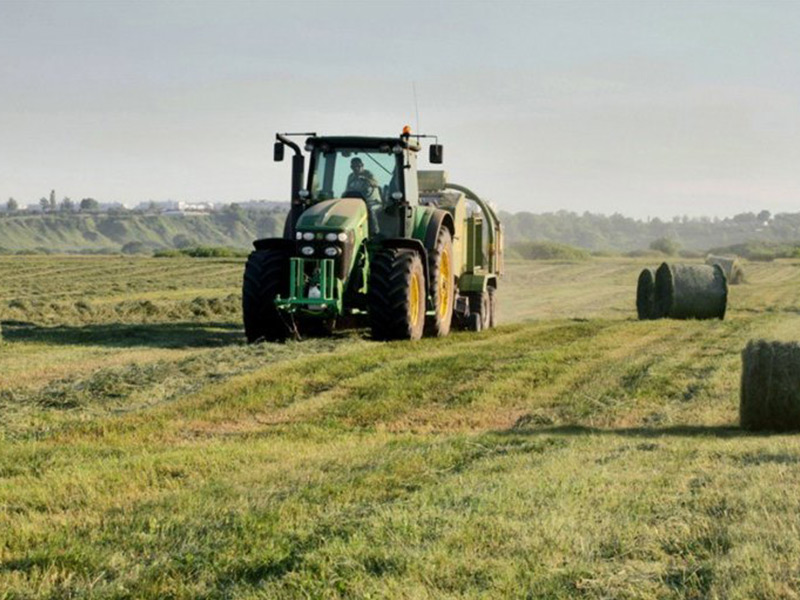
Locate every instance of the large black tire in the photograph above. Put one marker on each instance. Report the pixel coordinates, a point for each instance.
(480, 311)
(396, 298)
(442, 284)
(266, 275)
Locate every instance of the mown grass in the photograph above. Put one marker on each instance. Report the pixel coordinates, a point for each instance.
(588, 456)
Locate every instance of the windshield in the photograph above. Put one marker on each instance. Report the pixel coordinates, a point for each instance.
(347, 173)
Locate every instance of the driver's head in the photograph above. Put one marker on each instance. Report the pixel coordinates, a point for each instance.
(357, 165)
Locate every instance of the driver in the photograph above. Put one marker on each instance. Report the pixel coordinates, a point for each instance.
(362, 181)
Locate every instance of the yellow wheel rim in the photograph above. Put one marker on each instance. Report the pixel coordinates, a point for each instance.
(413, 299)
(445, 284)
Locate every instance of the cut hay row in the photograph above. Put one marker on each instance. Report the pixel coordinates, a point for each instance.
(730, 266)
(62, 277)
(770, 389)
(682, 292)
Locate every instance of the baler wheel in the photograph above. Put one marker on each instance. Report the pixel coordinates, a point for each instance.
(480, 311)
(442, 285)
(492, 307)
(266, 275)
(396, 299)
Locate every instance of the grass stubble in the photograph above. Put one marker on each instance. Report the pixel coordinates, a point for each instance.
(580, 454)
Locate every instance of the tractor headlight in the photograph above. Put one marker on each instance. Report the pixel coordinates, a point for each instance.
(308, 236)
(332, 251)
(342, 237)
(331, 237)
(307, 250)
(298, 236)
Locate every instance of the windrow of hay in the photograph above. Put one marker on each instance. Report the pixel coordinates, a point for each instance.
(127, 311)
(646, 295)
(770, 389)
(691, 291)
(731, 266)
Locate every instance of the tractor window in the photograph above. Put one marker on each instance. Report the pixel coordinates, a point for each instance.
(345, 173)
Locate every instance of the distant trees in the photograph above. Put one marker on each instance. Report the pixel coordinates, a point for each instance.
(89, 205)
(666, 245)
(183, 241)
(267, 226)
(44, 203)
(134, 248)
(53, 205)
(67, 205)
(234, 211)
(12, 205)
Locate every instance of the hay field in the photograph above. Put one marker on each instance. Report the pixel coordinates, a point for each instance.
(574, 452)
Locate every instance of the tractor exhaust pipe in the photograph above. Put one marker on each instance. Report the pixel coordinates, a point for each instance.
(298, 174)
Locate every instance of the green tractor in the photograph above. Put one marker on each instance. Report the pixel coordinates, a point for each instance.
(368, 236)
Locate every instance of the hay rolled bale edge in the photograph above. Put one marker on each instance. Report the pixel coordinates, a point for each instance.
(770, 389)
(646, 295)
(730, 265)
(691, 291)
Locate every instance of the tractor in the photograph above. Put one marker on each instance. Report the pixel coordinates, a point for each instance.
(369, 237)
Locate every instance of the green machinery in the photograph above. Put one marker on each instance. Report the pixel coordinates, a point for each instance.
(368, 235)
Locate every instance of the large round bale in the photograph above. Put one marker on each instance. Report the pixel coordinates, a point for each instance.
(770, 390)
(646, 295)
(730, 266)
(691, 291)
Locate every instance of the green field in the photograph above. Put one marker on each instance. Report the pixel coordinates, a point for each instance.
(573, 452)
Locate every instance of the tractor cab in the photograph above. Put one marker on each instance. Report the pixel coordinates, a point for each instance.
(379, 171)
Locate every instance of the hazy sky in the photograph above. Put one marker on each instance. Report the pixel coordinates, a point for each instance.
(643, 108)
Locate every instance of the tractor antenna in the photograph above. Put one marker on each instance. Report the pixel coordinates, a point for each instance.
(416, 105)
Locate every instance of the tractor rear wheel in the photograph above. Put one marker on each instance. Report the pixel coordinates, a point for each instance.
(396, 297)
(442, 285)
(266, 275)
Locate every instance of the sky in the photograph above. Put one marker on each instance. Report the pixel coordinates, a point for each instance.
(644, 108)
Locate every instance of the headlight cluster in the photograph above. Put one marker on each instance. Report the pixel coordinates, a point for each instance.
(330, 237)
(329, 251)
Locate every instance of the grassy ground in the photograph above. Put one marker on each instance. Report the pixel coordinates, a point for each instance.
(577, 453)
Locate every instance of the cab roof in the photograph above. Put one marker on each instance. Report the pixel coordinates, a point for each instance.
(350, 141)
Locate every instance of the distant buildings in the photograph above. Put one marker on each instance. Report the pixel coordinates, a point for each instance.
(267, 205)
(162, 207)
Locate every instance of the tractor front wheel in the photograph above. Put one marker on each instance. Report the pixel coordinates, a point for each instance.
(266, 275)
(396, 295)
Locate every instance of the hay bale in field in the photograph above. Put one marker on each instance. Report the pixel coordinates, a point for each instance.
(691, 291)
(646, 295)
(770, 390)
(730, 266)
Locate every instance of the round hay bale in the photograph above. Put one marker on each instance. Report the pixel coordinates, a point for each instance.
(691, 291)
(730, 266)
(770, 390)
(646, 295)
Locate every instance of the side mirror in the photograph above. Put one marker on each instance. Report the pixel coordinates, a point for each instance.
(436, 155)
(277, 152)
